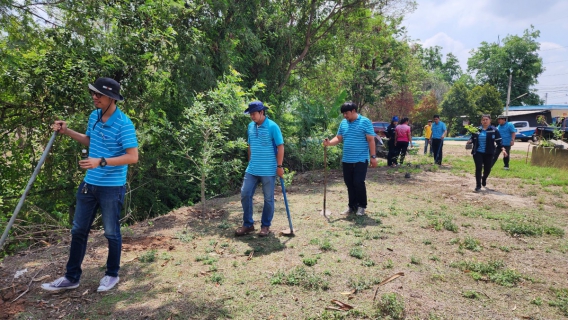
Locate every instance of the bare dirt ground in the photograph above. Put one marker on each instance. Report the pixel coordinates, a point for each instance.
(432, 227)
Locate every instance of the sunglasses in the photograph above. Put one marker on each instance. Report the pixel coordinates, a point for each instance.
(96, 94)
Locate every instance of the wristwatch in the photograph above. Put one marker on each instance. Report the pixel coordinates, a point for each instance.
(374, 156)
(103, 162)
(279, 166)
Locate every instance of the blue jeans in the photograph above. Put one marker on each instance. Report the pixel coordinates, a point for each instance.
(109, 200)
(247, 192)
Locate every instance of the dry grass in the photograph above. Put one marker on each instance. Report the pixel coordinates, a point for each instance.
(459, 259)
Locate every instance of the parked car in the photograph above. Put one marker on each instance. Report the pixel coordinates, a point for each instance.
(380, 128)
(524, 131)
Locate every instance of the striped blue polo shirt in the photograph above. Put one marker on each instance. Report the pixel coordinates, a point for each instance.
(263, 140)
(438, 130)
(109, 140)
(354, 134)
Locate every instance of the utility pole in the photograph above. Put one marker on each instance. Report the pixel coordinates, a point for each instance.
(508, 96)
(546, 98)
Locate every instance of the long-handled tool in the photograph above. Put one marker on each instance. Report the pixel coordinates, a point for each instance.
(28, 187)
(287, 232)
(326, 213)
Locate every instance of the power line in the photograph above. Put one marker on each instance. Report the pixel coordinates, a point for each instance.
(552, 75)
(554, 48)
(554, 62)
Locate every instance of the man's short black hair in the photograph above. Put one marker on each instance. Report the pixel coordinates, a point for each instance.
(348, 106)
(436, 116)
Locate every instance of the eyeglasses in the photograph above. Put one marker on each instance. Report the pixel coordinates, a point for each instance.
(96, 94)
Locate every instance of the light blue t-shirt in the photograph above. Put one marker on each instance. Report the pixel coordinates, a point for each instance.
(506, 130)
(438, 129)
(109, 139)
(263, 140)
(482, 140)
(354, 134)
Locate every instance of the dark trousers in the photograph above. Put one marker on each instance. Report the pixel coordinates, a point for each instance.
(393, 153)
(354, 175)
(482, 161)
(402, 148)
(505, 159)
(437, 147)
(426, 143)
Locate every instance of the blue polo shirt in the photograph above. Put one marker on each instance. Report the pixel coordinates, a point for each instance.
(506, 130)
(109, 140)
(438, 129)
(354, 134)
(263, 140)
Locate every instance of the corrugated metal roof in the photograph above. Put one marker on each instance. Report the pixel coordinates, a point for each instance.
(520, 113)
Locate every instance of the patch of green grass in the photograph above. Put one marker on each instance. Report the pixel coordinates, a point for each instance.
(310, 262)
(368, 263)
(388, 264)
(561, 301)
(216, 278)
(427, 242)
(184, 236)
(301, 277)
(530, 228)
(148, 256)
(391, 306)
(225, 224)
(471, 244)
(207, 260)
(434, 258)
(362, 283)
(357, 253)
(492, 270)
(415, 260)
(505, 249)
(537, 301)
(470, 294)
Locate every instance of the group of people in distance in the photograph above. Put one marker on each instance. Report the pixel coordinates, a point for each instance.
(400, 139)
(113, 145)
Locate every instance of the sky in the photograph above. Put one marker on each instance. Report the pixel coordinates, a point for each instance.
(458, 26)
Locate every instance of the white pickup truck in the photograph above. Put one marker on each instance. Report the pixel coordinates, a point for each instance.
(524, 131)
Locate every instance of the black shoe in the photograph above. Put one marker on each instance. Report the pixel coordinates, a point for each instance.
(484, 182)
(477, 189)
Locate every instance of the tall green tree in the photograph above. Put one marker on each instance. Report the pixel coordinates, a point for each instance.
(487, 101)
(492, 63)
(458, 102)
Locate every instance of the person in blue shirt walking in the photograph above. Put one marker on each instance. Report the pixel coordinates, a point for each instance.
(112, 143)
(265, 154)
(485, 144)
(358, 137)
(439, 132)
(508, 132)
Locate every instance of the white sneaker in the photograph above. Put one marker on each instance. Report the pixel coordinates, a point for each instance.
(505, 168)
(60, 284)
(107, 283)
(348, 211)
(360, 211)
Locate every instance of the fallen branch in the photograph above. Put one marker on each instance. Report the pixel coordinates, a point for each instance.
(387, 280)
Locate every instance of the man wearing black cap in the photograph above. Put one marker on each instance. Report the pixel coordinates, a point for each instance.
(508, 132)
(112, 143)
(265, 154)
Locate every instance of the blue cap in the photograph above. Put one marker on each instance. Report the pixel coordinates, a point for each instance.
(395, 119)
(255, 106)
